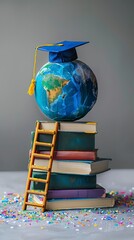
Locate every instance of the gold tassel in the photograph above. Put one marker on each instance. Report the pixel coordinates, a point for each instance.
(31, 87)
(32, 84)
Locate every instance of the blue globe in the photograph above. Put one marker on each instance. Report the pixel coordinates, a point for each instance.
(66, 91)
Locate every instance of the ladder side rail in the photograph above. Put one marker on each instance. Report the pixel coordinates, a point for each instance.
(50, 166)
(30, 166)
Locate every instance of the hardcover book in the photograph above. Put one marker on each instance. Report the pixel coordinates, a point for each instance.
(73, 155)
(76, 203)
(64, 181)
(96, 192)
(88, 127)
(75, 167)
(67, 141)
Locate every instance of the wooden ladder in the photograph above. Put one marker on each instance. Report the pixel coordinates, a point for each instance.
(47, 169)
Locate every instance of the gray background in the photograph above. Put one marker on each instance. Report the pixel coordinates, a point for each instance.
(109, 26)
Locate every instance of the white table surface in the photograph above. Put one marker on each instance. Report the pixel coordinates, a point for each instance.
(117, 180)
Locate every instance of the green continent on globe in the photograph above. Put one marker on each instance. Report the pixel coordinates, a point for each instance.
(53, 85)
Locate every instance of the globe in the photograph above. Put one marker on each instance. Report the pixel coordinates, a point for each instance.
(66, 91)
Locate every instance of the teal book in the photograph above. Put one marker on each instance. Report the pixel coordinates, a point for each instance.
(67, 141)
(64, 181)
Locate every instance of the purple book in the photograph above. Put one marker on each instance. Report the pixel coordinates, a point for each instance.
(78, 193)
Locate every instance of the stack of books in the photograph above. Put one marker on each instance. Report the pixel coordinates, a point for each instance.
(73, 182)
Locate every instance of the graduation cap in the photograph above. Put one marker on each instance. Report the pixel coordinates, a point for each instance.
(60, 52)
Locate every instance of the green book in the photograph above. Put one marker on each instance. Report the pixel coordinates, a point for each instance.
(64, 181)
(67, 141)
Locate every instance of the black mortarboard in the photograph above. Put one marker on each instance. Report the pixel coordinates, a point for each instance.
(62, 51)
(58, 53)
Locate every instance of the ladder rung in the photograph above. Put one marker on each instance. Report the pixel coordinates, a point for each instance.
(39, 155)
(43, 131)
(36, 192)
(40, 168)
(38, 180)
(34, 204)
(44, 144)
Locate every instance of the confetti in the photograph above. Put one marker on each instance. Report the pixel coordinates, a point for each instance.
(102, 219)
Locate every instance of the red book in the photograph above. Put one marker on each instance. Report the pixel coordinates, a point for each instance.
(73, 155)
